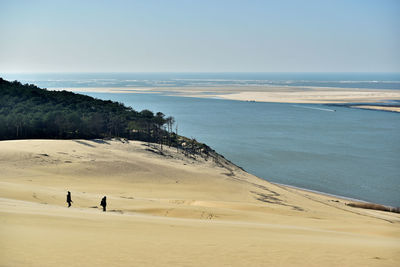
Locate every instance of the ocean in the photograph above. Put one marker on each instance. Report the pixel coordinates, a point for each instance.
(351, 152)
(345, 80)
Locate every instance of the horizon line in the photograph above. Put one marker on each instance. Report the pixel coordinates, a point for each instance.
(189, 72)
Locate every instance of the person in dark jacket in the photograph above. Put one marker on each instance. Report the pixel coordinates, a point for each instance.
(69, 200)
(103, 203)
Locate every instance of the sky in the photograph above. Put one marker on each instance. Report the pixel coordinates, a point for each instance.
(200, 36)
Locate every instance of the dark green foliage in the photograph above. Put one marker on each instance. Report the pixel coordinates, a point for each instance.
(27, 111)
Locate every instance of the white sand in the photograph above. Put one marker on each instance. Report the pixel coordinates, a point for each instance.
(171, 211)
(317, 96)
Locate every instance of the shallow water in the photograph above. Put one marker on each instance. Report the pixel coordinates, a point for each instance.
(349, 152)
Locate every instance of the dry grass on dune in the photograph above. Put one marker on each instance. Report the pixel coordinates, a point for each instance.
(373, 206)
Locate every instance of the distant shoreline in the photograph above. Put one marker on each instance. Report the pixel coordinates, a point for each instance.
(289, 94)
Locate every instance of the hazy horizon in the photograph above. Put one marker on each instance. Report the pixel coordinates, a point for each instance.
(200, 72)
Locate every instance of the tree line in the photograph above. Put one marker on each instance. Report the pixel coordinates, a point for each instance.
(27, 112)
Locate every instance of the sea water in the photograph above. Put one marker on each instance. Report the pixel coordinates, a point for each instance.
(341, 80)
(350, 152)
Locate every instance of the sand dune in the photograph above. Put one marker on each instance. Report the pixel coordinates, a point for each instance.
(170, 210)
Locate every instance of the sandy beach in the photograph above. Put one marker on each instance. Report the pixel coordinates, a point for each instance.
(170, 210)
(275, 94)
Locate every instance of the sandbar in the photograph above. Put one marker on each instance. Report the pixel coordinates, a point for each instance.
(384, 108)
(274, 94)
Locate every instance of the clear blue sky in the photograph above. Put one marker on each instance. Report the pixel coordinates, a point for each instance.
(200, 36)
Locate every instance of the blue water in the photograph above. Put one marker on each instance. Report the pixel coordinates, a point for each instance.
(347, 80)
(350, 152)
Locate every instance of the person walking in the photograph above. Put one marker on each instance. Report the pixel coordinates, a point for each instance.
(103, 203)
(69, 200)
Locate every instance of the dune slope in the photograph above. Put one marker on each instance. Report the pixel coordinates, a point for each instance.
(165, 209)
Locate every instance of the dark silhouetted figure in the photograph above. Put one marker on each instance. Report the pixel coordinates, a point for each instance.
(69, 200)
(103, 203)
